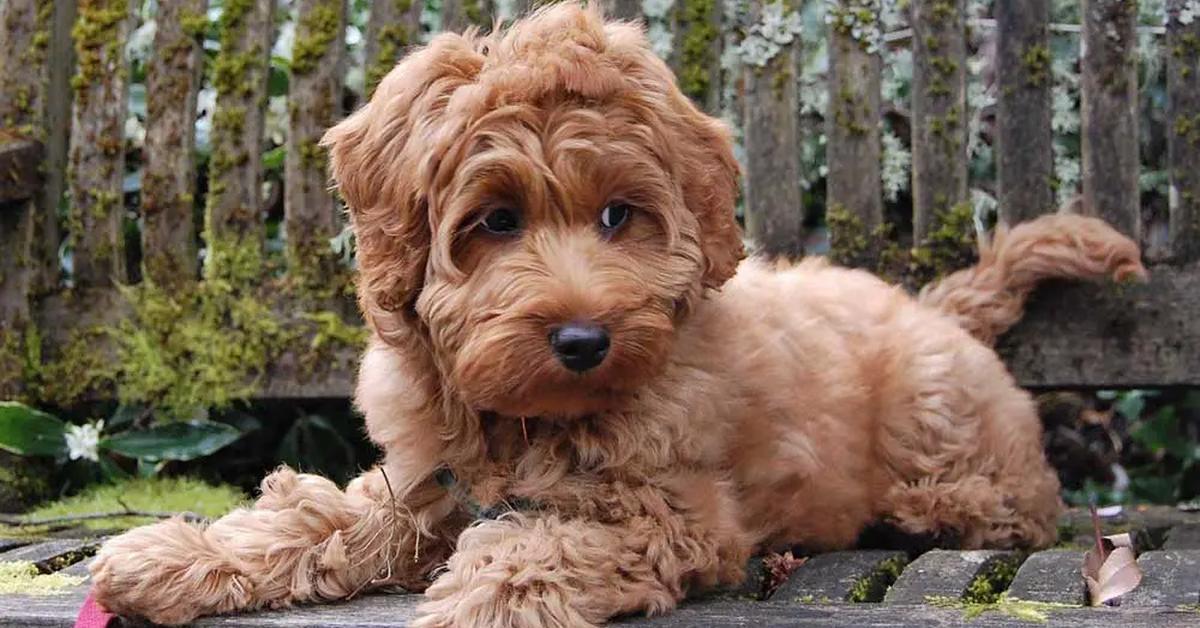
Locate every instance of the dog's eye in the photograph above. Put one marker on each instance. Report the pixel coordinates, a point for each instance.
(502, 221)
(614, 215)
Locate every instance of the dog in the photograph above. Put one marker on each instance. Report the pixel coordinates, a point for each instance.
(589, 404)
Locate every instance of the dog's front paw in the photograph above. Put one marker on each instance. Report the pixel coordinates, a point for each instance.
(168, 573)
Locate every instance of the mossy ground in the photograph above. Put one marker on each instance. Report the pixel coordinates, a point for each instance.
(23, 578)
(1023, 610)
(145, 494)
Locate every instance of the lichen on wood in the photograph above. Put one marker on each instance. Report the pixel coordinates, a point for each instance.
(97, 156)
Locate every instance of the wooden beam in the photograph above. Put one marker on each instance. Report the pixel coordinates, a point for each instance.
(1108, 336)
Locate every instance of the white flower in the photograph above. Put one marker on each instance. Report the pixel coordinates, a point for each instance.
(83, 441)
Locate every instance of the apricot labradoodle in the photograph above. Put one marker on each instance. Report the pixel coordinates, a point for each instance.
(589, 404)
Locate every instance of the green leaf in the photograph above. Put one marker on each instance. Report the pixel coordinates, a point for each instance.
(314, 444)
(173, 441)
(1131, 404)
(28, 432)
(111, 470)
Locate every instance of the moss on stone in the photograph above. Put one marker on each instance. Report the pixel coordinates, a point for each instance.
(1023, 610)
(23, 578)
(989, 585)
(872, 587)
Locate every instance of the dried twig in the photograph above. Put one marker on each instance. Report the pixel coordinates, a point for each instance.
(19, 520)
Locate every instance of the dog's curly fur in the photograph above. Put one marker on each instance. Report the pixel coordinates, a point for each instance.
(740, 406)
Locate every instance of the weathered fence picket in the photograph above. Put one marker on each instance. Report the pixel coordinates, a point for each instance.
(314, 104)
(771, 128)
(97, 155)
(169, 177)
(22, 109)
(854, 192)
(234, 228)
(392, 27)
(939, 102)
(1144, 332)
(1025, 142)
(1110, 129)
(1183, 133)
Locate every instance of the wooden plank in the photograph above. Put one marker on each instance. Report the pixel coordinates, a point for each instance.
(1025, 141)
(774, 200)
(459, 15)
(314, 95)
(52, 556)
(854, 190)
(393, 26)
(1183, 132)
(947, 574)
(234, 227)
(169, 175)
(61, 60)
(97, 153)
(697, 51)
(1109, 336)
(1109, 124)
(939, 100)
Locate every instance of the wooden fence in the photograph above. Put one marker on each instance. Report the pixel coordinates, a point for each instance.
(178, 318)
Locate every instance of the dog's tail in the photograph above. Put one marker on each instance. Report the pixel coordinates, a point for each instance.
(989, 297)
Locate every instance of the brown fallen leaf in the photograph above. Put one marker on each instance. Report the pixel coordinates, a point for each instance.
(779, 567)
(1110, 568)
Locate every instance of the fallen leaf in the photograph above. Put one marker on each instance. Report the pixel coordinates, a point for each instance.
(1110, 567)
(1118, 575)
(779, 567)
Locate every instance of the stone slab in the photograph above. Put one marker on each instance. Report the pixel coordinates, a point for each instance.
(836, 576)
(1169, 578)
(1053, 576)
(942, 573)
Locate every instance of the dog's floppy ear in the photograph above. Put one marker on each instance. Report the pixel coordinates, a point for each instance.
(710, 188)
(702, 149)
(383, 159)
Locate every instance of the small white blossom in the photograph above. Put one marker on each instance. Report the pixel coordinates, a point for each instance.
(859, 18)
(83, 441)
(895, 168)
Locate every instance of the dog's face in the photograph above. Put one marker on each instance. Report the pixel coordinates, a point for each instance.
(542, 206)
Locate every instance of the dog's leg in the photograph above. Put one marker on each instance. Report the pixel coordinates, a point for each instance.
(524, 572)
(303, 540)
(965, 457)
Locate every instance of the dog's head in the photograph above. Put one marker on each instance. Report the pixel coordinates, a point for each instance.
(543, 205)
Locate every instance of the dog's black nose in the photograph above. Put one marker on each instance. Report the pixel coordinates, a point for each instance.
(580, 346)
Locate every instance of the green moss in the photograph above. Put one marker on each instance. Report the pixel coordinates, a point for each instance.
(194, 25)
(695, 77)
(97, 41)
(872, 587)
(200, 348)
(316, 31)
(393, 38)
(1036, 60)
(989, 585)
(160, 494)
(950, 245)
(77, 369)
(851, 242)
(1023, 610)
(23, 578)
